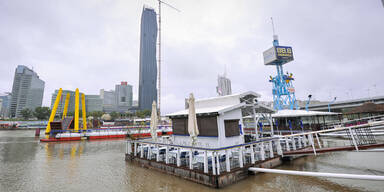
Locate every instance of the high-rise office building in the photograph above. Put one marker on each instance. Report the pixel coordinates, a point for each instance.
(148, 67)
(27, 91)
(93, 103)
(109, 100)
(223, 86)
(123, 93)
(4, 107)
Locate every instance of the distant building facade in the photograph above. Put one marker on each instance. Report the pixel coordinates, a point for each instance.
(4, 106)
(27, 91)
(223, 86)
(124, 97)
(109, 100)
(92, 102)
(148, 67)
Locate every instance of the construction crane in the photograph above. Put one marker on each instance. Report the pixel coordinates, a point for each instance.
(159, 52)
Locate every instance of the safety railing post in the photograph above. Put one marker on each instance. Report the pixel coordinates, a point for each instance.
(318, 141)
(190, 159)
(287, 144)
(205, 162)
(167, 154)
(310, 138)
(293, 143)
(353, 139)
(158, 153)
(252, 154)
(135, 149)
(178, 162)
(262, 151)
(213, 163)
(218, 163)
(270, 149)
(227, 162)
(241, 157)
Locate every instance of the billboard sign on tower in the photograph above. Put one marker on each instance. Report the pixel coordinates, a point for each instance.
(278, 55)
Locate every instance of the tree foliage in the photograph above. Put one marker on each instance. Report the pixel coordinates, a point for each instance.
(26, 113)
(42, 113)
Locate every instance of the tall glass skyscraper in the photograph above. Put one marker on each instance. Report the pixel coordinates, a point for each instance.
(27, 91)
(148, 67)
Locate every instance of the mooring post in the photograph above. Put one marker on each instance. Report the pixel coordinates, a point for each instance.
(270, 149)
(158, 153)
(190, 159)
(241, 157)
(227, 162)
(205, 162)
(252, 155)
(178, 162)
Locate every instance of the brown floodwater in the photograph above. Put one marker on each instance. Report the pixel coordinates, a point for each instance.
(28, 165)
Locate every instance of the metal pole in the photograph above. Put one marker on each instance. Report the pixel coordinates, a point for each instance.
(317, 174)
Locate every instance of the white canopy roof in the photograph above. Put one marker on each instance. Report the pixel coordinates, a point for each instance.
(207, 110)
(300, 113)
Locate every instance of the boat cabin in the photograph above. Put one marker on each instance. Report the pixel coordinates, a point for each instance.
(219, 120)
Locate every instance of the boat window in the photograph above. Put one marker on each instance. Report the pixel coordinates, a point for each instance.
(231, 127)
(180, 126)
(207, 126)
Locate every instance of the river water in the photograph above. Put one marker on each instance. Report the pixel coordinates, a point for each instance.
(28, 165)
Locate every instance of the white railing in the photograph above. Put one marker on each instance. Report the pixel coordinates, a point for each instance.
(217, 160)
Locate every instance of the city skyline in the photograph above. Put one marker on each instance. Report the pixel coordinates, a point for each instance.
(64, 44)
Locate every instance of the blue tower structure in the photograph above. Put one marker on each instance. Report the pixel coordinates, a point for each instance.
(283, 90)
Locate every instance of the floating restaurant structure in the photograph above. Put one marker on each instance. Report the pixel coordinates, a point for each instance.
(220, 156)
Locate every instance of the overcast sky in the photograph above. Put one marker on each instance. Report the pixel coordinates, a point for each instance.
(94, 44)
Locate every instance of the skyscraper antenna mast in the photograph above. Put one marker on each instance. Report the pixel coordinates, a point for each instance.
(159, 52)
(273, 27)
